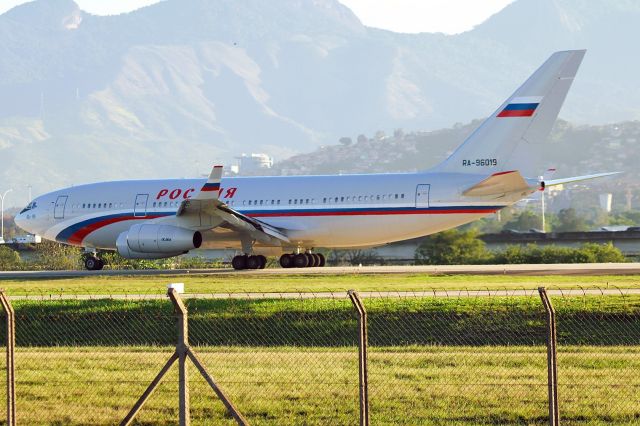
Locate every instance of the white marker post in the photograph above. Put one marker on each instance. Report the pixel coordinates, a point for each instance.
(178, 287)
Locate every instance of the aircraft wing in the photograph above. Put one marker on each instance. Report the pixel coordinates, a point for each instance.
(206, 202)
(498, 184)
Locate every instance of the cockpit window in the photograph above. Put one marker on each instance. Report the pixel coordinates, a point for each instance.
(32, 205)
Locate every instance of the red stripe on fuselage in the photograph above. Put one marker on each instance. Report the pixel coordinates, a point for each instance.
(370, 213)
(77, 237)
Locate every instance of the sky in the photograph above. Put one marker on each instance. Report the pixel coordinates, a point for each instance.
(407, 16)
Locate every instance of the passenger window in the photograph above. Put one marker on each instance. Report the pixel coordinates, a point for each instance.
(154, 204)
(295, 201)
(278, 202)
(359, 197)
(165, 204)
(83, 205)
(324, 200)
(110, 205)
(342, 199)
(348, 198)
(94, 205)
(249, 202)
(396, 196)
(401, 195)
(378, 197)
(273, 202)
(307, 201)
(261, 202)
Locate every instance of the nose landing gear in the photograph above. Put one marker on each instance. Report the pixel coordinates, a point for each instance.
(93, 263)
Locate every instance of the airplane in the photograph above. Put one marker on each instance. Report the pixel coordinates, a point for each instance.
(154, 219)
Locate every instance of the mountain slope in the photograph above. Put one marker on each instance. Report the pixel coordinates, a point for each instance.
(170, 88)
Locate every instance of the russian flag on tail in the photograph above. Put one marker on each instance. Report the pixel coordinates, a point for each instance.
(521, 107)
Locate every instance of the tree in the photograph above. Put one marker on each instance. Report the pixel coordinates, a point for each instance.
(346, 141)
(569, 221)
(9, 259)
(451, 247)
(524, 221)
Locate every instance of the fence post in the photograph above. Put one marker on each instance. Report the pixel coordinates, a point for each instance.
(362, 357)
(11, 347)
(181, 351)
(552, 358)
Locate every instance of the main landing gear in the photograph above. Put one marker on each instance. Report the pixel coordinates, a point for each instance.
(248, 262)
(302, 260)
(93, 263)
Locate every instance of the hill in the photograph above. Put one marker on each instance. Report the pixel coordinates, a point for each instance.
(168, 89)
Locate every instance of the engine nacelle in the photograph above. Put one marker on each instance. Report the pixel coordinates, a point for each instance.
(150, 241)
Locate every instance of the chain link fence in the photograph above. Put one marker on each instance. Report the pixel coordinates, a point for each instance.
(441, 357)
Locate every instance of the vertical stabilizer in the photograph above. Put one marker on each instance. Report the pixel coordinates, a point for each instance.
(511, 138)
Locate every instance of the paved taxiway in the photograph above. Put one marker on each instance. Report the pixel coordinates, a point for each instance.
(546, 269)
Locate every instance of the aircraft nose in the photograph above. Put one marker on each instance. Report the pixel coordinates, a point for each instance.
(20, 220)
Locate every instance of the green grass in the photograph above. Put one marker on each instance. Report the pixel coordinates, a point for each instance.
(232, 283)
(289, 385)
(432, 361)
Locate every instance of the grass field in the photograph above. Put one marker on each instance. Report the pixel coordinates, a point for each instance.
(285, 283)
(286, 385)
(432, 361)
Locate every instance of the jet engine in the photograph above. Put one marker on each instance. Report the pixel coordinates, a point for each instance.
(151, 241)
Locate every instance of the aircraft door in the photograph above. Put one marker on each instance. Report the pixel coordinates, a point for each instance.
(422, 195)
(58, 209)
(140, 206)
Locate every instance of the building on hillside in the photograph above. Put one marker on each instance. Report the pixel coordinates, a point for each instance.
(248, 164)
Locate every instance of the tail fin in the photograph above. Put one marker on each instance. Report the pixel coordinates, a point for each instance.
(510, 138)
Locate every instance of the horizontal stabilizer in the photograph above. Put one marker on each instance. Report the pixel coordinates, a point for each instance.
(553, 182)
(499, 183)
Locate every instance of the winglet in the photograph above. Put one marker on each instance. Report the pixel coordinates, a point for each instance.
(211, 189)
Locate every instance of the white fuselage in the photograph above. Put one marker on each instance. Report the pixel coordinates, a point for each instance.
(315, 211)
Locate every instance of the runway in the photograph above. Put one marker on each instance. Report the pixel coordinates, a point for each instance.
(531, 270)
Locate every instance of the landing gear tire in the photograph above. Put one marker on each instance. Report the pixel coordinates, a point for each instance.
(300, 260)
(239, 262)
(253, 262)
(263, 261)
(322, 261)
(286, 260)
(92, 263)
(313, 261)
